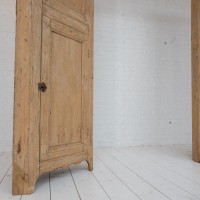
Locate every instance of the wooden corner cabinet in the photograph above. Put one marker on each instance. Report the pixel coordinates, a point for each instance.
(53, 107)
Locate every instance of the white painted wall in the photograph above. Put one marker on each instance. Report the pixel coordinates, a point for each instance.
(142, 72)
(7, 52)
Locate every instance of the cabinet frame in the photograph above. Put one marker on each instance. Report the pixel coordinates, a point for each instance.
(26, 131)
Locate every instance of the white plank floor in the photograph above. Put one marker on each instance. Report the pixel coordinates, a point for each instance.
(146, 173)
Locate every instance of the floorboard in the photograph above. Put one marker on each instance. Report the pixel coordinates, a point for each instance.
(87, 186)
(134, 181)
(5, 162)
(171, 190)
(132, 173)
(112, 184)
(173, 160)
(188, 148)
(171, 176)
(62, 184)
(6, 187)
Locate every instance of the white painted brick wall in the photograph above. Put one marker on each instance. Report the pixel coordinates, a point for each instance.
(7, 52)
(142, 72)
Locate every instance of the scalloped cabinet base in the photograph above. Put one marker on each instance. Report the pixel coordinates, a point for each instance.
(53, 108)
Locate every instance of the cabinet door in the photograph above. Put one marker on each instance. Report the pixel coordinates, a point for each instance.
(65, 73)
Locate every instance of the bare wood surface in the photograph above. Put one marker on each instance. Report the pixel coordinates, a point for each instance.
(65, 63)
(26, 105)
(196, 80)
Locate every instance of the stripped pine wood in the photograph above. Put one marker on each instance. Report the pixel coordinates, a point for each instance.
(195, 80)
(59, 16)
(112, 184)
(53, 164)
(58, 127)
(61, 183)
(184, 183)
(88, 187)
(133, 180)
(5, 162)
(162, 184)
(27, 97)
(75, 4)
(87, 82)
(53, 114)
(65, 10)
(21, 113)
(68, 32)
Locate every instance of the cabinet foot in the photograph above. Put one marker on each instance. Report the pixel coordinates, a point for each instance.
(22, 183)
(90, 164)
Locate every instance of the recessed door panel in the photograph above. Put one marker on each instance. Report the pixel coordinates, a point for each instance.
(63, 50)
(65, 91)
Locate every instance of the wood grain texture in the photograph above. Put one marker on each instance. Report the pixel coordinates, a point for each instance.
(88, 84)
(74, 4)
(67, 69)
(26, 104)
(59, 16)
(51, 129)
(196, 79)
(61, 104)
(21, 102)
(50, 165)
(46, 54)
(68, 32)
(58, 5)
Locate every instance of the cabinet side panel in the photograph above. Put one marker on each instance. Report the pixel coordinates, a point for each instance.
(88, 84)
(21, 97)
(195, 80)
(35, 75)
(26, 100)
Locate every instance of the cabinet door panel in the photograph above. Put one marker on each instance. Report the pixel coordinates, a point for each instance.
(63, 46)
